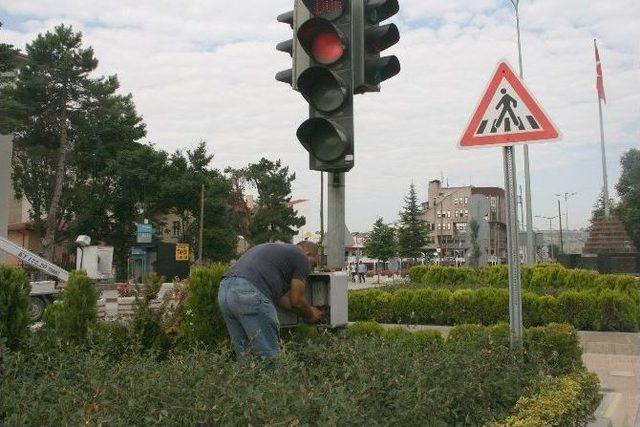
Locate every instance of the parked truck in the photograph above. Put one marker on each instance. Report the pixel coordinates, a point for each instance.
(96, 260)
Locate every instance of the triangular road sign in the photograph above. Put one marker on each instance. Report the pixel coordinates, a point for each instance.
(507, 114)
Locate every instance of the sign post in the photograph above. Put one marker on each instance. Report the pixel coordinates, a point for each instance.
(508, 114)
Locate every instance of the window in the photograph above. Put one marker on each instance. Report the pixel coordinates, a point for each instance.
(449, 226)
(466, 213)
(176, 228)
(466, 200)
(455, 201)
(448, 214)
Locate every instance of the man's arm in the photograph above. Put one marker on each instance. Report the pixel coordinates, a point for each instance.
(295, 300)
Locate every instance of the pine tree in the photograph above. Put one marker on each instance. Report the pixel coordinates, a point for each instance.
(413, 232)
(381, 243)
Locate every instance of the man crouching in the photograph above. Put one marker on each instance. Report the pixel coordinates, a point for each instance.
(266, 275)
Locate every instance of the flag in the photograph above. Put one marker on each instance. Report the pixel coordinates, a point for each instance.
(599, 82)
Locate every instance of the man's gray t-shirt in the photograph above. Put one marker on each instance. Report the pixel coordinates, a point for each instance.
(271, 267)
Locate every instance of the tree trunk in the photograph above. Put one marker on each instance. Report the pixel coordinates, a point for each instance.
(52, 220)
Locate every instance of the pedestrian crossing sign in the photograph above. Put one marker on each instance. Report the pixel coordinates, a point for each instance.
(507, 114)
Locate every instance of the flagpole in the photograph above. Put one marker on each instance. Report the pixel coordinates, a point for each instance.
(605, 191)
(607, 208)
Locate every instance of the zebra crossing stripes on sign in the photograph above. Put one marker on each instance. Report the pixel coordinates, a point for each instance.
(507, 114)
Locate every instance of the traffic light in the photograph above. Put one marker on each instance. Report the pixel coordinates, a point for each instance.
(370, 38)
(322, 73)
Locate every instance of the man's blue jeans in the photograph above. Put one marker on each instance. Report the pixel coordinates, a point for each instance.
(251, 318)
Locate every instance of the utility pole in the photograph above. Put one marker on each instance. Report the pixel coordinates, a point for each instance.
(201, 234)
(321, 219)
(6, 150)
(531, 258)
(566, 207)
(560, 226)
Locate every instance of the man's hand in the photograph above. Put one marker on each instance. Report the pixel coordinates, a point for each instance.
(315, 315)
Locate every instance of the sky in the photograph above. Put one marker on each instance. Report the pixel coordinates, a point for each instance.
(204, 70)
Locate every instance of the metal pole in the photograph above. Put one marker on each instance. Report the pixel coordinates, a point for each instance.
(335, 223)
(560, 226)
(322, 219)
(6, 150)
(201, 234)
(607, 208)
(513, 257)
(531, 259)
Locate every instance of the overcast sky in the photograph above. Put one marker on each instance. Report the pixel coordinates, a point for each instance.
(205, 70)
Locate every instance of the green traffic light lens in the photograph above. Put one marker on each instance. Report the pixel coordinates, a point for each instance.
(374, 16)
(323, 139)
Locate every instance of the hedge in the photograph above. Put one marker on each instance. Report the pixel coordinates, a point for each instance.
(325, 381)
(568, 400)
(596, 309)
(553, 349)
(540, 278)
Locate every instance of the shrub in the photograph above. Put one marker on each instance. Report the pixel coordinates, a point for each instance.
(554, 348)
(416, 273)
(617, 311)
(370, 329)
(496, 276)
(580, 309)
(569, 400)
(595, 309)
(202, 321)
(72, 315)
(15, 305)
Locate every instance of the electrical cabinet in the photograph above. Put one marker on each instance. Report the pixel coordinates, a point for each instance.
(327, 291)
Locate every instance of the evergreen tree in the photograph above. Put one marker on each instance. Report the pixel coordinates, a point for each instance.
(275, 218)
(381, 243)
(598, 209)
(58, 99)
(413, 232)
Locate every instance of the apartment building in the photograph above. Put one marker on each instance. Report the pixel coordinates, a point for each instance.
(447, 212)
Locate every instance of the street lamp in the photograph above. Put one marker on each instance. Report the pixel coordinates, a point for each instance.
(566, 207)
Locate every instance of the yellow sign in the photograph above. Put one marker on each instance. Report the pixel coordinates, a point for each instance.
(182, 252)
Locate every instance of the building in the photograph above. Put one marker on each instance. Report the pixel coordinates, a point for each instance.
(446, 212)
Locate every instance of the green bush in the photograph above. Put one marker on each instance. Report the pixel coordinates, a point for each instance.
(554, 348)
(75, 312)
(355, 381)
(496, 276)
(202, 321)
(595, 309)
(568, 400)
(618, 311)
(15, 305)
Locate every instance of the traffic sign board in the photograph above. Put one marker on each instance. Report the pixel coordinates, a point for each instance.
(507, 114)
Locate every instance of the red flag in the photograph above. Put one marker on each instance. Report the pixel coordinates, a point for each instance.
(599, 82)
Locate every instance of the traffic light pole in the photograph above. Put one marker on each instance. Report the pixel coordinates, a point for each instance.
(513, 256)
(335, 223)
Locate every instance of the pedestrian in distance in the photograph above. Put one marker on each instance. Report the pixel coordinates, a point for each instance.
(266, 276)
(362, 270)
(352, 272)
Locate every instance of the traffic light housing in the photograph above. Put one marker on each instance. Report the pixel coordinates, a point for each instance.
(322, 72)
(336, 52)
(370, 38)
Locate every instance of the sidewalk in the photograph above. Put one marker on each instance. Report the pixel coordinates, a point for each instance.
(615, 358)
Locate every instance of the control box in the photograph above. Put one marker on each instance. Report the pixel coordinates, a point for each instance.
(327, 291)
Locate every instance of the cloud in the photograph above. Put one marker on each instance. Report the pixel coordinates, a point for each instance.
(205, 70)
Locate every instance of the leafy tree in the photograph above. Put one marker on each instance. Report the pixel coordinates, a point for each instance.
(381, 243)
(182, 189)
(413, 232)
(275, 218)
(629, 191)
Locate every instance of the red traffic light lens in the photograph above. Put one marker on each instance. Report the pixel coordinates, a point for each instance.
(327, 48)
